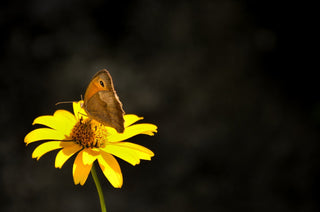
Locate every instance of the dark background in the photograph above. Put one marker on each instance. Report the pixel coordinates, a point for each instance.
(230, 84)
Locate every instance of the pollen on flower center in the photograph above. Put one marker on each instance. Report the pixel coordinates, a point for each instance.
(89, 134)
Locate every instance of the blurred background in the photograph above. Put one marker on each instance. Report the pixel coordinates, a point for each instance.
(230, 84)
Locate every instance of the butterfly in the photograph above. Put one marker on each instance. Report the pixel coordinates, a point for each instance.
(102, 103)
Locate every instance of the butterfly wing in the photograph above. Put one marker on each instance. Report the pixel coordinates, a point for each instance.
(102, 103)
(105, 107)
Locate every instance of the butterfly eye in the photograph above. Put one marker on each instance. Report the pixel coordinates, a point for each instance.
(101, 83)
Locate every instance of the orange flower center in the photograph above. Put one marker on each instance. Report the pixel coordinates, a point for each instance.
(89, 133)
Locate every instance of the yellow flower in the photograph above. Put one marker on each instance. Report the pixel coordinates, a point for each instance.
(91, 141)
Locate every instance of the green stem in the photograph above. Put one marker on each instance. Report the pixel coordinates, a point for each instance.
(96, 181)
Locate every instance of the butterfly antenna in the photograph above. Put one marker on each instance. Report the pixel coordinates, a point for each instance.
(58, 103)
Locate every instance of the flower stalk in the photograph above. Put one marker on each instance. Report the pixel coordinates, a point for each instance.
(98, 186)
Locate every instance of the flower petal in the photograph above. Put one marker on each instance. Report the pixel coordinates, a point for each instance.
(78, 111)
(69, 149)
(143, 152)
(45, 148)
(148, 129)
(122, 153)
(111, 169)
(80, 171)
(43, 134)
(130, 152)
(89, 156)
(61, 120)
(130, 119)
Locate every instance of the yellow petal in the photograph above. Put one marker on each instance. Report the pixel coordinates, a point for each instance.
(79, 112)
(123, 153)
(61, 120)
(110, 169)
(43, 134)
(45, 148)
(143, 152)
(130, 152)
(69, 149)
(80, 171)
(89, 156)
(148, 129)
(130, 119)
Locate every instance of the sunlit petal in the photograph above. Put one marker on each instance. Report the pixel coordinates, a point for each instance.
(111, 169)
(69, 149)
(61, 120)
(80, 171)
(130, 119)
(43, 134)
(89, 156)
(45, 148)
(79, 112)
(141, 151)
(122, 153)
(132, 153)
(148, 129)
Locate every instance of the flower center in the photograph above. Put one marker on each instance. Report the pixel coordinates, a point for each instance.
(89, 133)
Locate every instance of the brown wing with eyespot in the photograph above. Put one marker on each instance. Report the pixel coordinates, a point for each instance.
(95, 86)
(105, 107)
(102, 103)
